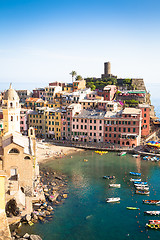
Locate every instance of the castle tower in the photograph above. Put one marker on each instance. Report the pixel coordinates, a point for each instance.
(107, 70)
(11, 111)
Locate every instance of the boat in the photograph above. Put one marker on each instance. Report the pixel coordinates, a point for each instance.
(85, 160)
(133, 208)
(122, 153)
(136, 155)
(135, 173)
(142, 188)
(144, 192)
(134, 180)
(151, 202)
(116, 185)
(153, 226)
(142, 183)
(154, 221)
(110, 200)
(108, 177)
(152, 212)
(101, 152)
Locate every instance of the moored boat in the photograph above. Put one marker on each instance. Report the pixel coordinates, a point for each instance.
(136, 155)
(116, 185)
(142, 183)
(133, 208)
(144, 192)
(151, 202)
(134, 180)
(142, 188)
(111, 200)
(153, 226)
(152, 212)
(109, 177)
(135, 173)
(122, 153)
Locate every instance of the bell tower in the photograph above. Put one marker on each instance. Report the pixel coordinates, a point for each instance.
(11, 111)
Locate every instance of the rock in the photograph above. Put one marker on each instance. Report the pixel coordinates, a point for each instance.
(28, 217)
(64, 195)
(26, 236)
(35, 237)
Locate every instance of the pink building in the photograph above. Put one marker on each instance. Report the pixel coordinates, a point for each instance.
(108, 92)
(23, 121)
(88, 126)
(145, 108)
(123, 128)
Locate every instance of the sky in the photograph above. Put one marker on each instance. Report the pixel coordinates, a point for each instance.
(44, 40)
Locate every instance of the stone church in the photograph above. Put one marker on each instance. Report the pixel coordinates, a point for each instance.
(17, 153)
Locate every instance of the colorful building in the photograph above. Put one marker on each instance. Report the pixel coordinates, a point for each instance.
(145, 129)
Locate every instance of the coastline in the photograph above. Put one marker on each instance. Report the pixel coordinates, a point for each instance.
(47, 151)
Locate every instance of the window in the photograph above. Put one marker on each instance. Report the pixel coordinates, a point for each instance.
(90, 121)
(81, 126)
(73, 127)
(134, 129)
(100, 134)
(81, 120)
(90, 127)
(85, 127)
(145, 115)
(106, 135)
(100, 127)
(14, 150)
(109, 135)
(94, 134)
(144, 121)
(124, 129)
(94, 127)
(85, 120)
(77, 126)
(114, 129)
(110, 129)
(90, 134)
(119, 122)
(106, 129)
(134, 122)
(145, 109)
(114, 135)
(11, 118)
(94, 121)
(100, 121)
(129, 129)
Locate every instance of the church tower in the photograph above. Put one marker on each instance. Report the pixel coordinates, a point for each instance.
(11, 111)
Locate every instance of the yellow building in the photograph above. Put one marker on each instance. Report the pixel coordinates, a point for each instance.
(53, 123)
(33, 103)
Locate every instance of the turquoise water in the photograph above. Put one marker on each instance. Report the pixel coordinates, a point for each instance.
(85, 215)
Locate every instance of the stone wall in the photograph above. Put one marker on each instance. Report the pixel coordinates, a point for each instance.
(4, 228)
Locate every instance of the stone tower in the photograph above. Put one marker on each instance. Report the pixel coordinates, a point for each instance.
(107, 70)
(11, 111)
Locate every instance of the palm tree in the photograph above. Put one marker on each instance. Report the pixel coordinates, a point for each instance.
(73, 73)
(79, 77)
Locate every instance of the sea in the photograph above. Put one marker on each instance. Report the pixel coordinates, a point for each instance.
(85, 215)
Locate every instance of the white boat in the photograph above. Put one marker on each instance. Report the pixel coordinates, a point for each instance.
(110, 200)
(142, 188)
(136, 155)
(116, 185)
(122, 153)
(152, 212)
(135, 180)
(140, 185)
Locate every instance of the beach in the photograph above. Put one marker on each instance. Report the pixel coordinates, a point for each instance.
(49, 151)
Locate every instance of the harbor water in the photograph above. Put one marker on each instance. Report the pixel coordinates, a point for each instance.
(85, 215)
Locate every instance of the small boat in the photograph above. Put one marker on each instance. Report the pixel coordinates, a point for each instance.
(154, 221)
(108, 177)
(122, 153)
(142, 188)
(153, 226)
(144, 192)
(135, 173)
(116, 185)
(110, 200)
(151, 202)
(134, 180)
(133, 208)
(85, 160)
(142, 183)
(101, 152)
(152, 212)
(136, 155)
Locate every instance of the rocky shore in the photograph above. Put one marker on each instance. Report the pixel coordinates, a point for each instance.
(54, 186)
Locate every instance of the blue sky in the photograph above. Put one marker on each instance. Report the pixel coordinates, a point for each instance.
(44, 40)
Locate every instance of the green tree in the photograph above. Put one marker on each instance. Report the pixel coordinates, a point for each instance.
(79, 77)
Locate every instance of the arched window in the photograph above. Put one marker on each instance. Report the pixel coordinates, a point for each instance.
(14, 150)
(127, 143)
(26, 157)
(11, 104)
